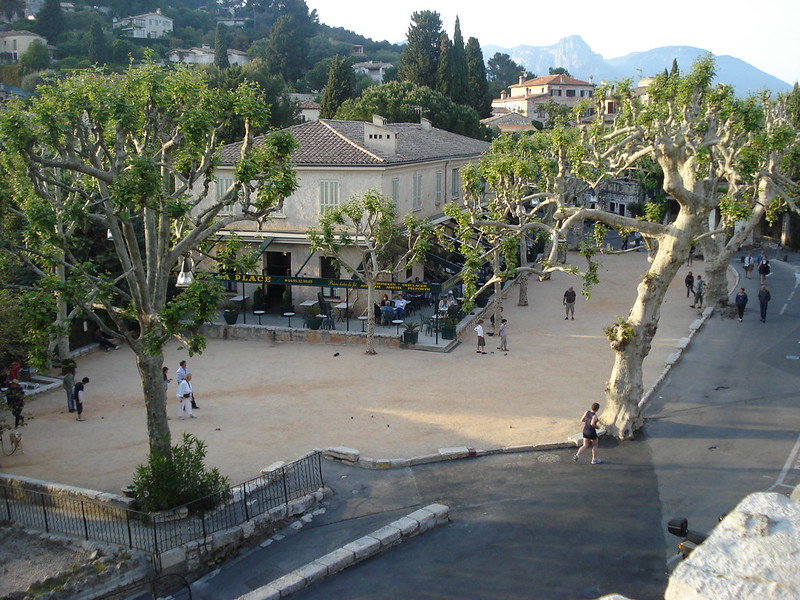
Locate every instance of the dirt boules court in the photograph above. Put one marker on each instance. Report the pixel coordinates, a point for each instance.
(261, 402)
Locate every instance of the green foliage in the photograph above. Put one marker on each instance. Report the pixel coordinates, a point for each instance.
(503, 72)
(169, 482)
(50, 21)
(96, 45)
(339, 86)
(398, 102)
(419, 62)
(35, 58)
(619, 334)
(221, 47)
(286, 51)
(477, 83)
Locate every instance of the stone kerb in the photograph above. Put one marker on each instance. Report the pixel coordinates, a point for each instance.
(394, 533)
(29, 484)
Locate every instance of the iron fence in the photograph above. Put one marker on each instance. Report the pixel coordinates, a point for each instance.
(156, 533)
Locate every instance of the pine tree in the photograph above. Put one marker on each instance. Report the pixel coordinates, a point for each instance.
(50, 20)
(340, 86)
(221, 47)
(420, 58)
(477, 83)
(96, 45)
(459, 91)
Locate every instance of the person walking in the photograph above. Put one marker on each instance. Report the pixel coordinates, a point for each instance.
(78, 395)
(699, 288)
(689, 281)
(180, 375)
(503, 335)
(185, 395)
(569, 302)
(15, 398)
(741, 302)
(692, 250)
(167, 380)
(69, 385)
(763, 300)
(763, 270)
(481, 348)
(590, 423)
(749, 263)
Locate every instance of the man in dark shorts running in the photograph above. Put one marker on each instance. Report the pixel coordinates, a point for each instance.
(589, 420)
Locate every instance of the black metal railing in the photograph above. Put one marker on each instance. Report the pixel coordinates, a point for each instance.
(159, 532)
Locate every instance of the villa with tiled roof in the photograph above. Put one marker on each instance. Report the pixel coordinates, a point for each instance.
(415, 165)
(529, 97)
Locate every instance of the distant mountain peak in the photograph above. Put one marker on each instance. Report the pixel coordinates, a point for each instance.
(575, 55)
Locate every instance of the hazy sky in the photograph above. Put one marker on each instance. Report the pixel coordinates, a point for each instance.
(762, 33)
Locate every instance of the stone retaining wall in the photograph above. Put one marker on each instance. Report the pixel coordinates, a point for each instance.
(286, 334)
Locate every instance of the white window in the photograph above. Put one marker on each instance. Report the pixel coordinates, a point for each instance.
(439, 190)
(396, 191)
(455, 184)
(223, 183)
(328, 195)
(416, 197)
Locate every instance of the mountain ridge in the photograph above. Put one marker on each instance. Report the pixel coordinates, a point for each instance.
(575, 55)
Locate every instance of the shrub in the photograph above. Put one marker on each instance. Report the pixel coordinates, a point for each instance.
(163, 484)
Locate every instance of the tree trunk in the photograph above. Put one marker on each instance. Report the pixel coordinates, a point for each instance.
(371, 317)
(632, 339)
(154, 400)
(522, 279)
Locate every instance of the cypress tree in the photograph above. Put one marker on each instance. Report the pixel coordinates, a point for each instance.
(339, 88)
(50, 20)
(221, 47)
(96, 45)
(459, 91)
(478, 84)
(444, 82)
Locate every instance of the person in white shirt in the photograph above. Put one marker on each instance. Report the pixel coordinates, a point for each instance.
(400, 307)
(180, 374)
(185, 397)
(481, 339)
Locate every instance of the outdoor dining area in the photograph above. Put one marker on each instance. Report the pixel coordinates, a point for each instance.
(417, 316)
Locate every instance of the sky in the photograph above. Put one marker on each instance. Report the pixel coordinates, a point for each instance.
(762, 33)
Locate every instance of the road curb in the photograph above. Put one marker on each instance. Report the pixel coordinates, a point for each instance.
(396, 532)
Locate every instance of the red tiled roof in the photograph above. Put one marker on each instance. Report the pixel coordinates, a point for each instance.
(551, 80)
(327, 142)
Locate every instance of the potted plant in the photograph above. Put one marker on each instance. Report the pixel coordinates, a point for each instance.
(449, 328)
(230, 312)
(312, 318)
(410, 333)
(286, 300)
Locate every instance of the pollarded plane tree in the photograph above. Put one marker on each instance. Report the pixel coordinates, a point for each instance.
(755, 168)
(364, 238)
(135, 154)
(680, 123)
(522, 188)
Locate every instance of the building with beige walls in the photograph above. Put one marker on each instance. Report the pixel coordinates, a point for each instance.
(415, 165)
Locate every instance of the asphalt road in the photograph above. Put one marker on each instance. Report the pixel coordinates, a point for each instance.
(723, 424)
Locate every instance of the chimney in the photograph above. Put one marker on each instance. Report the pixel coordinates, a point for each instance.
(522, 78)
(379, 120)
(426, 124)
(591, 78)
(502, 94)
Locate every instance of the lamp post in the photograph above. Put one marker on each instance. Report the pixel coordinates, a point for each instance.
(185, 277)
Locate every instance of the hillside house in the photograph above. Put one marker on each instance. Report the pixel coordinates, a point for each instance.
(148, 25)
(375, 70)
(205, 56)
(14, 44)
(530, 97)
(415, 165)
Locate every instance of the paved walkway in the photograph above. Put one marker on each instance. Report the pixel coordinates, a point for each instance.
(262, 401)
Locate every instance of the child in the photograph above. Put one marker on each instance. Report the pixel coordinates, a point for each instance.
(503, 339)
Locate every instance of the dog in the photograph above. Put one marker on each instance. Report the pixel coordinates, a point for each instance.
(15, 437)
